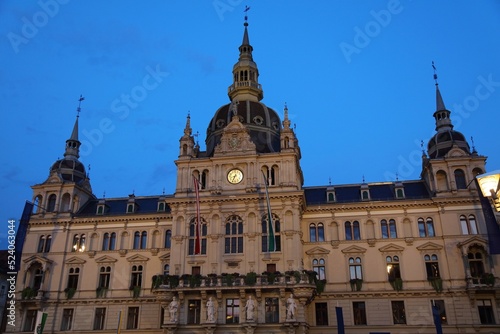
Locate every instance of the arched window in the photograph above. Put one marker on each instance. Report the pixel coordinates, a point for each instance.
(37, 204)
(393, 272)
(468, 224)
(51, 205)
(200, 237)
(105, 241)
(140, 240)
(166, 269)
(460, 179)
(388, 228)
(104, 277)
(432, 266)
(78, 243)
(476, 258)
(355, 269)
(442, 181)
(74, 274)
(168, 238)
(426, 228)
(316, 232)
(136, 277)
(112, 241)
(352, 230)
(271, 238)
(44, 243)
(319, 268)
(233, 242)
(204, 179)
(65, 202)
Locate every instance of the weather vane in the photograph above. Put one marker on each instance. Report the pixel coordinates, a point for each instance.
(246, 10)
(435, 75)
(79, 105)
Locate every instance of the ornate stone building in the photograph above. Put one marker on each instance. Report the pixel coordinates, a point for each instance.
(242, 247)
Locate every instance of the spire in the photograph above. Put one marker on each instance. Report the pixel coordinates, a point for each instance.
(441, 115)
(245, 73)
(72, 151)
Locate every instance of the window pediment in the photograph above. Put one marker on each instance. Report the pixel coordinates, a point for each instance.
(428, 246)
(353, 249)
(137, 258)
(75, 260)
(473, 241)
(391, 248)
(165, 257)
(106, 259)
(318, 251)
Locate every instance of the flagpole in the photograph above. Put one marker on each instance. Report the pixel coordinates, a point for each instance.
(118, 329)
(271, 247)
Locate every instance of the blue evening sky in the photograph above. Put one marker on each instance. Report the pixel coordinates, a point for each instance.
(356, 76)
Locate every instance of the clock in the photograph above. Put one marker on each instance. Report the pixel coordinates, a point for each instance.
(235, 176)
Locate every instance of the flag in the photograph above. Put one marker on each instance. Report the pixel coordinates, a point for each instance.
(340, 320)
(271, 247)
(21, 232)
(197, 232)
(437, 319)
(41, 317)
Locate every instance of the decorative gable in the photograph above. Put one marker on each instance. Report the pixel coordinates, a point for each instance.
(165, 257)
(235, 140)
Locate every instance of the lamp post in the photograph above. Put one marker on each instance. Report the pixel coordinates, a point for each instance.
(490, 187)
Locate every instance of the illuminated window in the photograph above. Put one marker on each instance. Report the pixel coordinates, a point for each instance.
(78, 243)
(232, 311)
(392, 265)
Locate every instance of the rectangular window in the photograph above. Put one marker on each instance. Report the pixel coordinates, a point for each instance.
(321, 314)
(485, 310)
(133, 318)
(359, 312)
(232, 311)
(67, 319)
(194, 309)
(29, 321)
(438, 306)
(196, 270)
(398, 312)
(272, 310)
(99, 317)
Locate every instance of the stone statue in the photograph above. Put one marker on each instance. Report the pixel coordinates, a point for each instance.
(210, 310)
(172, 308)
(291, 307)
(250, 308)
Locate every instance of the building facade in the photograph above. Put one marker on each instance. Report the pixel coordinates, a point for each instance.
(242, 247)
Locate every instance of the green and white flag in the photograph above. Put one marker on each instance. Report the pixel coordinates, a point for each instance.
(41, 317)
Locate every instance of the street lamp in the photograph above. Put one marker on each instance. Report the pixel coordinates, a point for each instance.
(490, 187)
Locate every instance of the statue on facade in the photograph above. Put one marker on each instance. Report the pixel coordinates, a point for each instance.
(250, 308)
(210, 310)
(291, 307)
(172, 308)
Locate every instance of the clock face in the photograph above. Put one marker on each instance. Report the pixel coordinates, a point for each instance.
(235, 176)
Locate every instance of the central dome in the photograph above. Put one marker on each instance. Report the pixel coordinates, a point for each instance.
(263, 125)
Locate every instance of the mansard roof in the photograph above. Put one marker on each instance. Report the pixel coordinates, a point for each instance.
(351, 193)
(118, 206)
